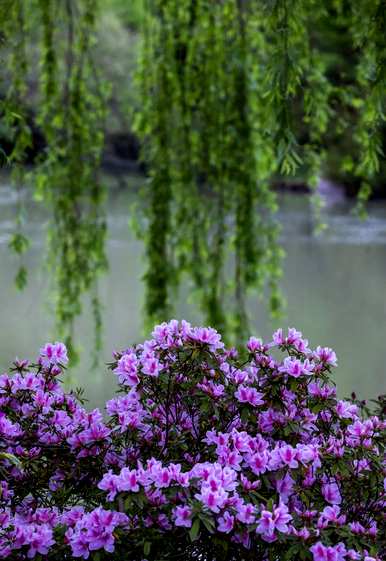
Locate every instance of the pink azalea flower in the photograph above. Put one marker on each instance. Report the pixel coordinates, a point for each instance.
(326, 356)
(249, 395)
(246, 513)
(182, 516)
(226, 523)
(331, 493)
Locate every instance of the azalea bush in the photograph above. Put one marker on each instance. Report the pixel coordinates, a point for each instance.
(205, 453)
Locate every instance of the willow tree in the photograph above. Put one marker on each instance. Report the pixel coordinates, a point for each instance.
(72, 118)
(369, 29)
(218, 80)
(234, 93)
(71, 114)
(207, 182)
(14, 13)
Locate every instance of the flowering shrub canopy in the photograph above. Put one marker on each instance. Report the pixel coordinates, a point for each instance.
(203, 454)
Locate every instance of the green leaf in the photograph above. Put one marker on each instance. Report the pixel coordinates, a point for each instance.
(208, 523)
(11, 458)
(21, 278)
(18, 243)
(194, 530)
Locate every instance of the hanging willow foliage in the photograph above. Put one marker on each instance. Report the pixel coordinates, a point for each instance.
(15, 121)
(71, 116)
(204, 126)
(208, 162)
(369, 31)
(235, 92)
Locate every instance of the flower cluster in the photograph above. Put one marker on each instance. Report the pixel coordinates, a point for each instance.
(206, 453)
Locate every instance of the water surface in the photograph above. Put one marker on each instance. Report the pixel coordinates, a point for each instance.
(334, 283)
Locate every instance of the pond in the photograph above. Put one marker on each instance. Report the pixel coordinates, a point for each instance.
(334, 283)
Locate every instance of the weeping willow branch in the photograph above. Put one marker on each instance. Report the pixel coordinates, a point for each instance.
(369, 28)
(201, 149)
(233, 93)
(15, 120)
(158, 271)
(286, 38)
(72, 119)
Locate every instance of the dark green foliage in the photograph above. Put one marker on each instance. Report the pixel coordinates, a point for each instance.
(16, 122)
(232, 94)
(250, 93)
(200, 126)
(72, 104)
(72, 119)
(369, 34)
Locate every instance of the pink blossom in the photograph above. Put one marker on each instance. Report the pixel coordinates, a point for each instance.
(246, 513)
(213, 500)
(288, 456)
(182, 516)
(226, 523)
(331, 514)
(110, 483)
(255, 345)
(295, 367)
(127, 369)
(326, 356)
(269, 522)
(151, 366)
(284, 487)
(207, 335)
(331, 493)
(258, 462)
(128, 480)
(346, 410)
(326, 553)
(317, 390)
(249, 395)
(53, 354)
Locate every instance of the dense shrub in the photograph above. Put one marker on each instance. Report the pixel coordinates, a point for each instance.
(204, 454)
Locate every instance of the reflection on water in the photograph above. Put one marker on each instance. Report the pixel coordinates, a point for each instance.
(334, 283)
